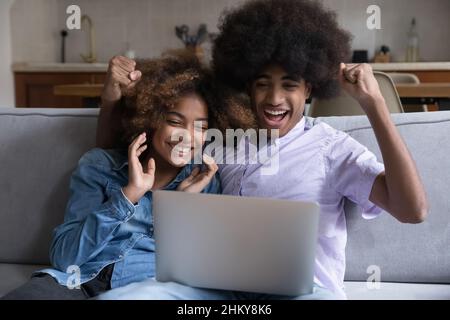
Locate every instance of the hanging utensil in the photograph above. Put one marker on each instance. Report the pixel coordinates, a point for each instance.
(202, 34)
(182, 33)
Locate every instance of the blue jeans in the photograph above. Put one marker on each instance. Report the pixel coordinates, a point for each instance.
(151, 289)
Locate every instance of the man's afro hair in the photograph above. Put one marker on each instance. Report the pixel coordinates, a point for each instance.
(299, 35)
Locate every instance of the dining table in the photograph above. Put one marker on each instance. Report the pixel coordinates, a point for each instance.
(430, 93)
(89, 92)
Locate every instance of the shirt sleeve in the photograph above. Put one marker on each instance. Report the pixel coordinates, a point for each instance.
(352, 172)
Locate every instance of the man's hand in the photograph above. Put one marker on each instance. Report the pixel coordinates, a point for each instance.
(140, 180)
(121, 76)
(197, 181)
(360, 83)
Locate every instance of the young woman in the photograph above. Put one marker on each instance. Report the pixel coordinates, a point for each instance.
(106, 239)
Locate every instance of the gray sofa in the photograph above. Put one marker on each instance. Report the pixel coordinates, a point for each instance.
(39, 148)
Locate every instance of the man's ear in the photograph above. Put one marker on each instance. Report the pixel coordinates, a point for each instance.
(308, 90)
(248, 88)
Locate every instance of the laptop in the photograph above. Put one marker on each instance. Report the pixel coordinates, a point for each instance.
(235, 243)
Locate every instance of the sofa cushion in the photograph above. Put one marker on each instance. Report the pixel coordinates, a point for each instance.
(39, 150)
(401, 252)
(397, 291)
(13, 276)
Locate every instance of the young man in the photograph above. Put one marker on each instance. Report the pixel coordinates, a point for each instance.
(282, 52)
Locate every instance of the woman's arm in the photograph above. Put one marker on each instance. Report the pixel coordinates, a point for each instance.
(93, 212)
(399, 189)
(121, 76)
(92, 215)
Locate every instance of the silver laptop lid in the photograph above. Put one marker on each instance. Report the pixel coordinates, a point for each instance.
(235, 243)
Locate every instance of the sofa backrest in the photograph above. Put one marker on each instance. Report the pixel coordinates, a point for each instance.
(403, 252)
(39, 148)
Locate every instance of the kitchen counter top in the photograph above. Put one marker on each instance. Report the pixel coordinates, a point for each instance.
(412, 66)
(59, 67)
(103, 67)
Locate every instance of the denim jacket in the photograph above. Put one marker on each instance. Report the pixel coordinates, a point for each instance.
(102, 227)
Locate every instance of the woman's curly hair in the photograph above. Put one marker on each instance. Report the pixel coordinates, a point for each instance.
(165, 80)
(299, 35)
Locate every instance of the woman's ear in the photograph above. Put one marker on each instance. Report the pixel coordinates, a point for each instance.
(150, 133)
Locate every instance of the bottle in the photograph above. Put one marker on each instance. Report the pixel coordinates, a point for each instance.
(412, 52)
(130, 53)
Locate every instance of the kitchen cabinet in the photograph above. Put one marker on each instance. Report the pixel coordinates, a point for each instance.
(36, 89)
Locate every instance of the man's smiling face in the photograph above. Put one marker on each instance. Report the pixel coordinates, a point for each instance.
(278, 99)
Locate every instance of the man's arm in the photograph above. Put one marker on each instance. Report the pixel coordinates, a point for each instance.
(399, 189)
(121, 76)
(108, 124)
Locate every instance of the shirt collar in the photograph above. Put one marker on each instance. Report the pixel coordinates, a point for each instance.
(182, 175)
(295, 132)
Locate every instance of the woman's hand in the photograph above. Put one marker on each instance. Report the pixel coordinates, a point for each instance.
(360, 83)
(140, 180)
(197, 181)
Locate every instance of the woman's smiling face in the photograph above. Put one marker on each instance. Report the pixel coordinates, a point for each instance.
(278, 99)
(178, 138)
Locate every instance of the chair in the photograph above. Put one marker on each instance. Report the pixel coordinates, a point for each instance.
(345, 105)
(408, 78)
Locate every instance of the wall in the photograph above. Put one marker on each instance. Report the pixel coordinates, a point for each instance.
(433, 17)
(34, 28)
(6, 76)
(148, 25)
